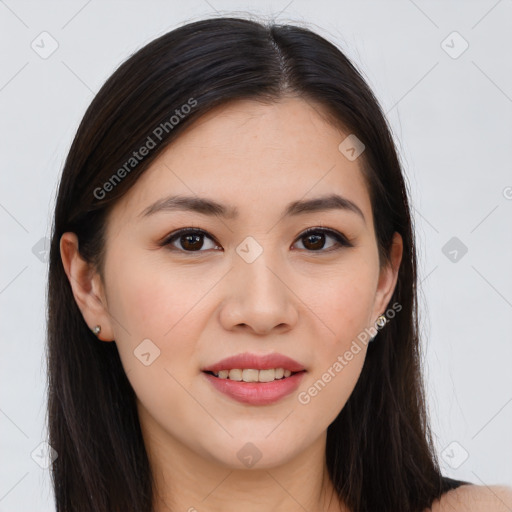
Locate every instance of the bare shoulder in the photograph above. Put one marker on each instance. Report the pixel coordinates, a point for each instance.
(475, 498)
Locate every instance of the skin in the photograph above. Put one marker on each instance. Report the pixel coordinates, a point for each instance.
(199, 307)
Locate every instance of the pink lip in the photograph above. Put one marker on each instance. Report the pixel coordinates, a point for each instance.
(257, 393)
(255, 361)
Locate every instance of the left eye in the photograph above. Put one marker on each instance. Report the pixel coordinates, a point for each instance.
(192, 240)
(316, 239)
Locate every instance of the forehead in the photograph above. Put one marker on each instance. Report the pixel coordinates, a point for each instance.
(253, 156)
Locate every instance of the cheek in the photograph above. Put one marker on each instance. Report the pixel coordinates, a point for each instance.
(157, 320)
(344, 306)
(155, 312)
(338, 359)
(151, 300)
(345, 303)
(327, 390)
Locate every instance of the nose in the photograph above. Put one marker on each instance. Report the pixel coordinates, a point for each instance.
(258, 298)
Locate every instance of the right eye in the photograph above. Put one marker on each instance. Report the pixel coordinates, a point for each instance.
(191, 240)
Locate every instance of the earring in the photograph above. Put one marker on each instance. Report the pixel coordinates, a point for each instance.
(96, 330)
(381, 321)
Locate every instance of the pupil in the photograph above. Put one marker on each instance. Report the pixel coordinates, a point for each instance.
(318, 241)
(190, 239)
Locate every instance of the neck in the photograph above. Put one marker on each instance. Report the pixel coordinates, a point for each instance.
(185, 480)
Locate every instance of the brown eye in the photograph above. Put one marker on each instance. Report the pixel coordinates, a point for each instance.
(189, 240)
(314, 240)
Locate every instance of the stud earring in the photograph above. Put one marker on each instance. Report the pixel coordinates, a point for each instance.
(96, 330)
(381, 321)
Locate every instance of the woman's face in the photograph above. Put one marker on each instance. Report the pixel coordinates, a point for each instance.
(250, 282)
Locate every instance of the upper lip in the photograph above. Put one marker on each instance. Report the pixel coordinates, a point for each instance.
(255, 361)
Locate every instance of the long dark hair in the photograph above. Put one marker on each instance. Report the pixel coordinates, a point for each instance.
(380, 454)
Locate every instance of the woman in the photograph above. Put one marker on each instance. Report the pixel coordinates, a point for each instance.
(232, 290)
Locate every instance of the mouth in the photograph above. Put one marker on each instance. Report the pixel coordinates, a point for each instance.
(255, 379)
(255, 387)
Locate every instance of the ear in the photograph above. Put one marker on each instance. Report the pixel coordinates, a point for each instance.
(388, 277)
(87, 287)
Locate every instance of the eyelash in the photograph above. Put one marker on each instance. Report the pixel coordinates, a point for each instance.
(341, 240)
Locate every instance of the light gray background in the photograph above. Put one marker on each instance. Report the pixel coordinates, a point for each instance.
(451, 118)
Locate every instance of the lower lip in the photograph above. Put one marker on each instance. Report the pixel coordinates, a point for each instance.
(256, 393)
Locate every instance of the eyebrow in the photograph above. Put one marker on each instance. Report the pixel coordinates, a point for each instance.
(213, 208)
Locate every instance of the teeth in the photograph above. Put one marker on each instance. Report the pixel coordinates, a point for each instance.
(264, 375)
(235, 374)
(252, 375)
